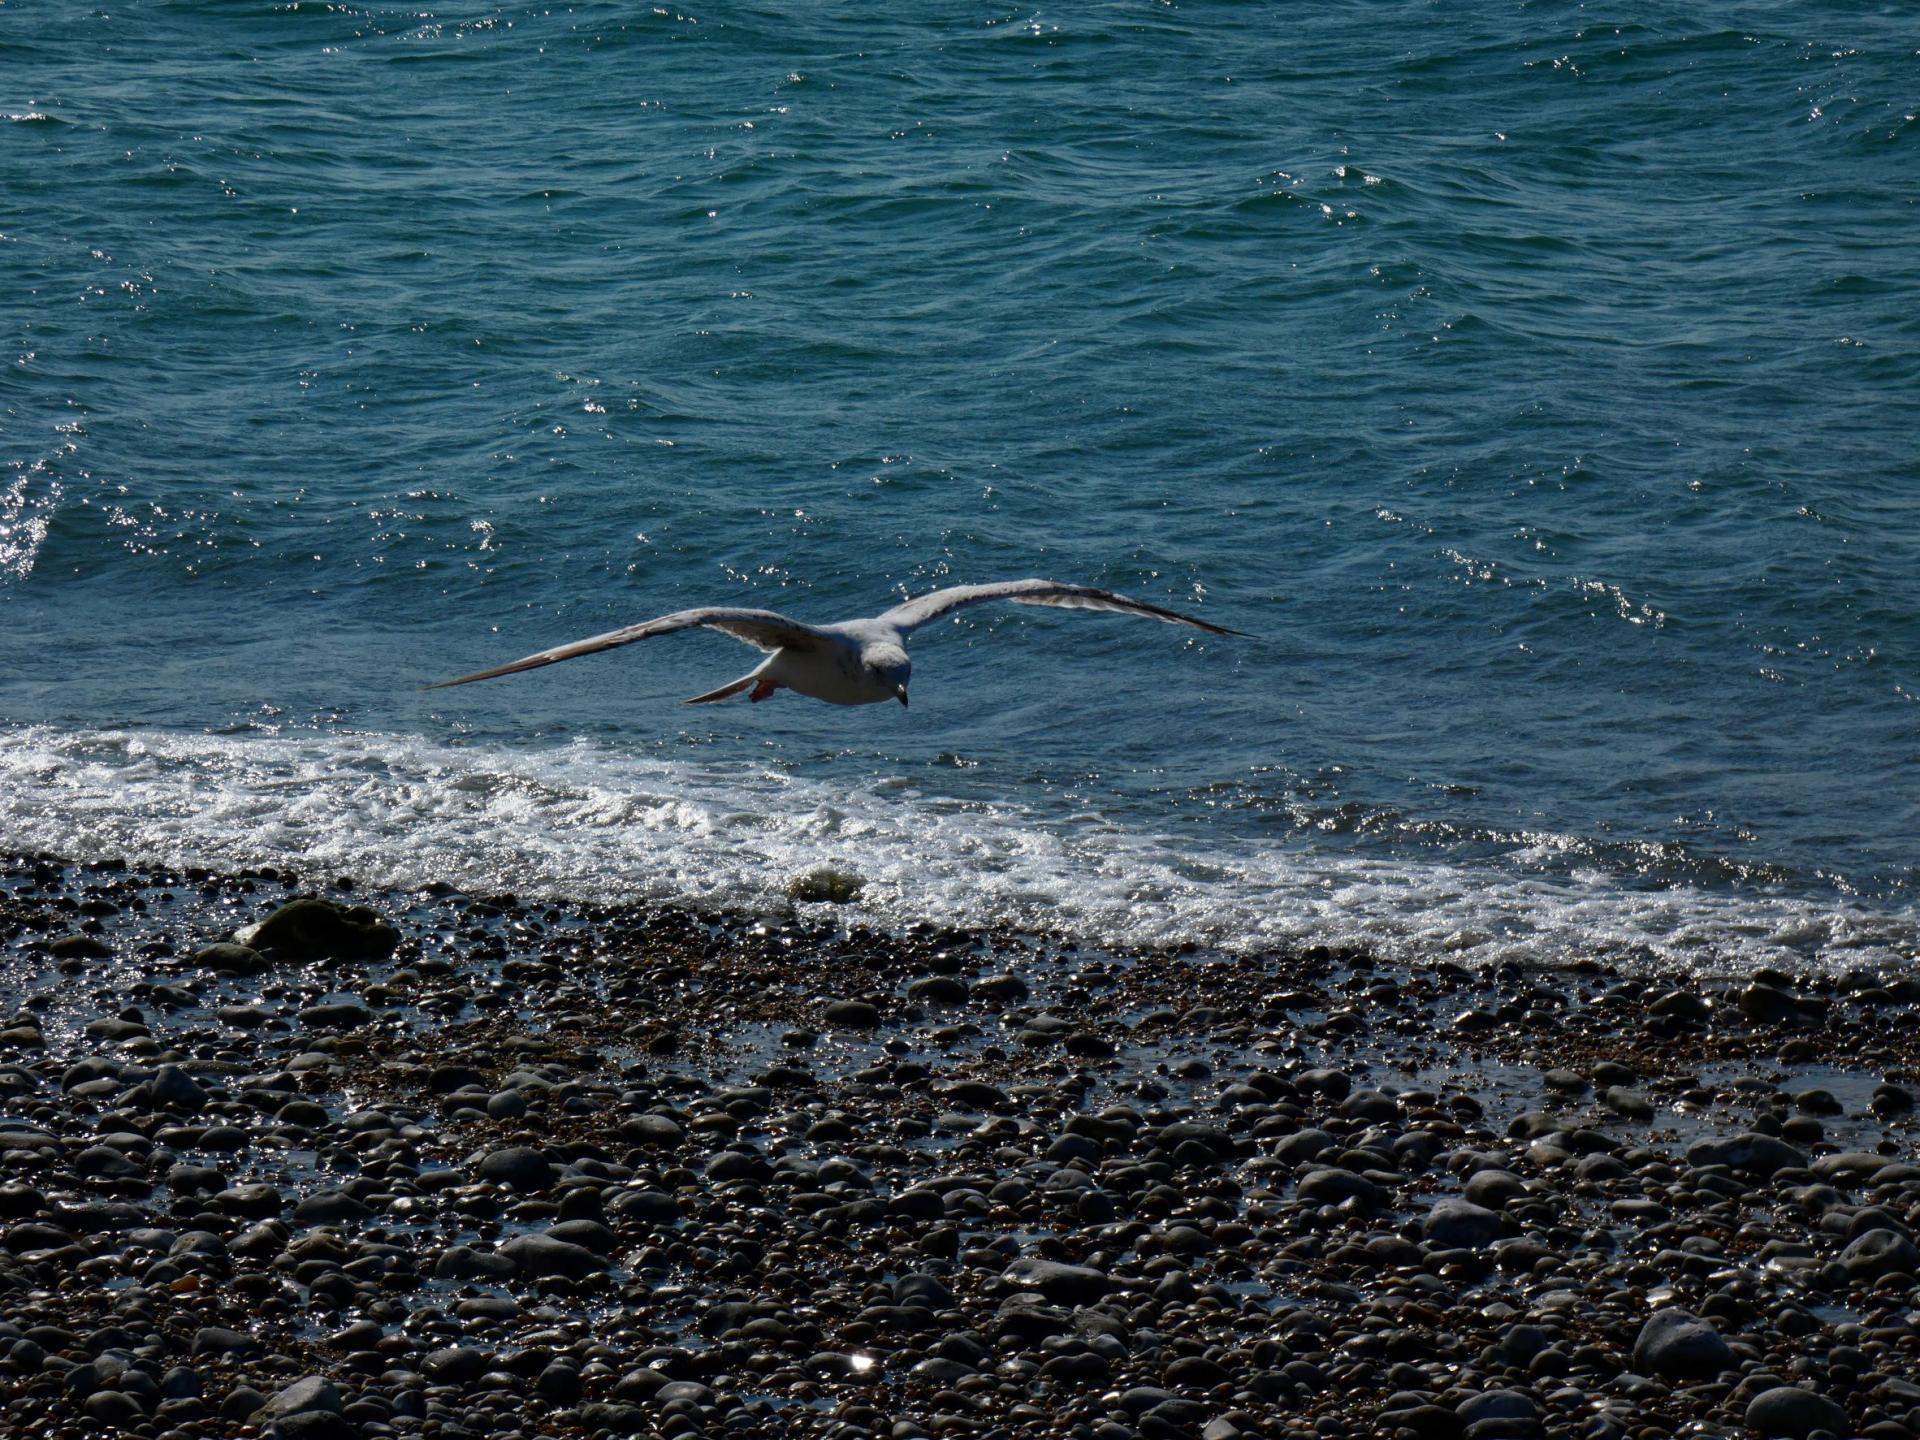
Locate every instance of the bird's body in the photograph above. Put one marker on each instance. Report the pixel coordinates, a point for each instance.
(847, 665)
(854, 662)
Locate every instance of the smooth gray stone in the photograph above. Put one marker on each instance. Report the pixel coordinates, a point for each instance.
(1462, 1225)
(517, 1166)
(174, 1089)
(329, 1207)
(310, 1392)
(1060, 1283)
(1494, 1189)
(851, 1015)
(1789, 1411)
(1339, 1187)
(1679, 1345)
(542, 1255)
(1754, 1153)
(1497, 1405)
(1880, 1252)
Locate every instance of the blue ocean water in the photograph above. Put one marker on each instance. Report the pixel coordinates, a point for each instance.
(1540, 384)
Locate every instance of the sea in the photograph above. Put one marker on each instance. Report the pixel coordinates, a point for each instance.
(1536, 384)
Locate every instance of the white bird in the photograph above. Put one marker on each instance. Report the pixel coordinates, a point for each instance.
(855, 662)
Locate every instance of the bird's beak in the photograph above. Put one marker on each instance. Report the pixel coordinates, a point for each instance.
(901, 691)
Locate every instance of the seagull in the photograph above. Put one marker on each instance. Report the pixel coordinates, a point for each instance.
(854, 662)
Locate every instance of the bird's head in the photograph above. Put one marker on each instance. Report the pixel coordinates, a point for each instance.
(889, 666)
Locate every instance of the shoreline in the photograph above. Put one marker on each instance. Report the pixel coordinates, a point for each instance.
(580, 822)
(535, 1169)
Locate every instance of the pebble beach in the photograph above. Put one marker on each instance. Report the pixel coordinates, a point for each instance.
(290, 1156)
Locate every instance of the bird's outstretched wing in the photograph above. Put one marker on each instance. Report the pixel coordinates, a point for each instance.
(917, 612)
(762, 629)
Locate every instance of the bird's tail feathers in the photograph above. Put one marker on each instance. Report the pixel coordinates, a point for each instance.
(732, 688)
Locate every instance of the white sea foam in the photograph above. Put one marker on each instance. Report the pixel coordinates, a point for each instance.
(584, 821)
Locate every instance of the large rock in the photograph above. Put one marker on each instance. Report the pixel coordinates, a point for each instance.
(1521, 1343)
(928, 1290)
(227, 957)
(255, 1201)
(1890, 1099)
(851, 1015)
(336, 1015)
(1197, 1372)
(826, 886)
(1624, 1101)
(1787, 1410)
(312, 929)
(112, 1027)
(1497, 1405)
(1001, 989)
(1874, 1253)
(1494, 1189)
(330, 1207)
(725, 1166)
(1462, 1225)
(1370, 1104)
(311, 1393)
(79, 947)
(972, 1094)
(1304, 1146)
(1678, 1345)
(1770, 1005)
(590, 1233)
(1210, 1138)
(456, 1365)
(218, 1340)
(114, 1408)
(1849, 1167)
(1756, 1154)
(1336, 1085)
(1682, 1005)
(94, 1067)
(517, 1166)
(651, 1207)
(542, 1256)
(660, 1131)
(1343, 1187)
(174, 1089)
(1063, 1284)
(938, 990)
(105, 1162)
(463, 1262)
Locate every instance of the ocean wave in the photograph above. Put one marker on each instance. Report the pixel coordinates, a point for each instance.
(589, 821)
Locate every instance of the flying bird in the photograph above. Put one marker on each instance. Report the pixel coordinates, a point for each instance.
(854, 662)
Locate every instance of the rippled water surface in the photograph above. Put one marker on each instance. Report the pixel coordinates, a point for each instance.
(1541, 388)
